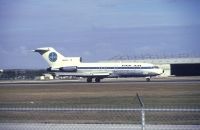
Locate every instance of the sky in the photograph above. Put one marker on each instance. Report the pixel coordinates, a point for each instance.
(96, 29)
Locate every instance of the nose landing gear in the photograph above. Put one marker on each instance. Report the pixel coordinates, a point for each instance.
(148, 79)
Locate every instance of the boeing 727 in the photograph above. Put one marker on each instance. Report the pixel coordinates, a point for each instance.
(73, 66)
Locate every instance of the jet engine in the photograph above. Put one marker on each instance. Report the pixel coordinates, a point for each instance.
(68, 69)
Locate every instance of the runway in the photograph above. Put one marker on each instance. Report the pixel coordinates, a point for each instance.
(191, 79)
(39, 126)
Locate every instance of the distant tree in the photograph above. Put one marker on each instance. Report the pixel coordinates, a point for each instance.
(20, 74)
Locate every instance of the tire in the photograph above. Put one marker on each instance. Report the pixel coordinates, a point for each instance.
(148, 79)
(89, 80)
(97, 80)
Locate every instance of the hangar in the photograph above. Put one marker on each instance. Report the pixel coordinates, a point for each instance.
(185, 69)
(175, 66)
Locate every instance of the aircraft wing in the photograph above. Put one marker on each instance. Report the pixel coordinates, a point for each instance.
(89, 74)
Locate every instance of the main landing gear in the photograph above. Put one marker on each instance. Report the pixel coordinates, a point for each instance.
(97, 80)
(89, 80)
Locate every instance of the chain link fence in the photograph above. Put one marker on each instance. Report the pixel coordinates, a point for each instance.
(96, 118)
(138, 116)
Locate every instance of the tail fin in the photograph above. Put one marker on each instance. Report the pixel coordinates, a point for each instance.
(53, 58)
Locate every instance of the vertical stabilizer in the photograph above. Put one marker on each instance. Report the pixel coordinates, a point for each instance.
(53, 58)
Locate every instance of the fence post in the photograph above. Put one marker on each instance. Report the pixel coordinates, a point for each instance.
(143, 119)
(142, 112)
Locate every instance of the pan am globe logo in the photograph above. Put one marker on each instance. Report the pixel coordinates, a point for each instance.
(52, 56)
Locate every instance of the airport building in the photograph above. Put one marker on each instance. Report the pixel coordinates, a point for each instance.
(173, 66)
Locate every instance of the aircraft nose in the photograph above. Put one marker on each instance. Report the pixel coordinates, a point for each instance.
(161, 71)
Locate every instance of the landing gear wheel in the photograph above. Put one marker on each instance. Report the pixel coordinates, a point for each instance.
(89, 80)
(97, 80)
(148, 79)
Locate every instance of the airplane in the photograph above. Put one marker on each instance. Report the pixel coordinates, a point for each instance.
(73, 66)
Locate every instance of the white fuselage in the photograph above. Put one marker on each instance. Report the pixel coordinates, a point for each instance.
(118, 69)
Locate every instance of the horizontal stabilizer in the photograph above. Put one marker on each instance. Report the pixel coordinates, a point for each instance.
(44, 49)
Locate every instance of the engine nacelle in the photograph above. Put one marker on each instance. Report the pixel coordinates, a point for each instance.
(68, 69)
(63, 69)
(52, 69)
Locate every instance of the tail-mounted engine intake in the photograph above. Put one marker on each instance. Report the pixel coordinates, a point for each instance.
(52, 69)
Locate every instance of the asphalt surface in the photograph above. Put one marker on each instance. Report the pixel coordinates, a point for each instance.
(192, 79)
(38, 126)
